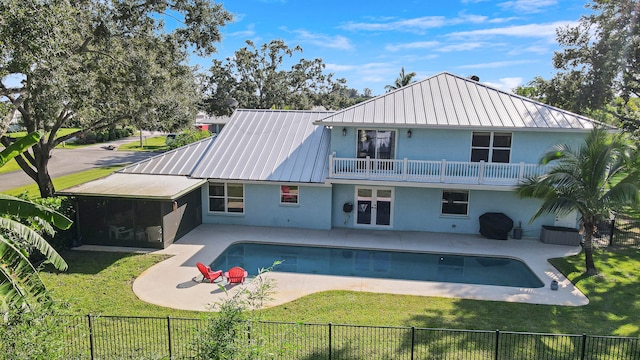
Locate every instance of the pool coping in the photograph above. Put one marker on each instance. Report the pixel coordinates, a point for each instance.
(170, 283)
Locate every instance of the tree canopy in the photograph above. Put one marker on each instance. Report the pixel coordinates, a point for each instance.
(94, 64)
(598, 65)
(256, 78)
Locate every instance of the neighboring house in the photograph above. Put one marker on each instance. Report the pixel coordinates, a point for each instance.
(431, 156)
(212, 123)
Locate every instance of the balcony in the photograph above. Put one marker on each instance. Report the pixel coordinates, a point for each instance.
(449, 172)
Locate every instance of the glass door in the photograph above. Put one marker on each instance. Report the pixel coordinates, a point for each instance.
(376, 144)
(374, 206)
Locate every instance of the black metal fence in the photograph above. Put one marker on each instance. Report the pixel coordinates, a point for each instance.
(620, 232)
(109, 337)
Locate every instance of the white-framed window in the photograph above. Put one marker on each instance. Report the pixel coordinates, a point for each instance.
(226, 198)
(490, 146)
(376, 144)
(289, 194)
(455, 202)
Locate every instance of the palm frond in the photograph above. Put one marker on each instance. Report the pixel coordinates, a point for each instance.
(19, 280)
(12, 205)
(18, 147)
(32, 238)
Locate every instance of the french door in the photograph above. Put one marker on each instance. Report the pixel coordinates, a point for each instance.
(374, 206)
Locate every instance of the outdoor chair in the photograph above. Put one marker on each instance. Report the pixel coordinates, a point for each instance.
(236, 275)
(208, 273)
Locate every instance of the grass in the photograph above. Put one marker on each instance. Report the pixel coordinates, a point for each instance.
(156, 143)
(63, 182)
(100, 283)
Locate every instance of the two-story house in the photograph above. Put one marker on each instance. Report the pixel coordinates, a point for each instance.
(431, 156)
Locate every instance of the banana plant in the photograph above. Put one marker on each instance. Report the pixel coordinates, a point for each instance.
(20, 282)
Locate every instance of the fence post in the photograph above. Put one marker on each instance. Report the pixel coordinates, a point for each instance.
(497, 344)
(91, 344)
(584, 346)
(612, 232)
(169, 336)
(330, 330)
(413, 338)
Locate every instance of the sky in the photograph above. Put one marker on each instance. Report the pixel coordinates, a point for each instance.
(505, 42)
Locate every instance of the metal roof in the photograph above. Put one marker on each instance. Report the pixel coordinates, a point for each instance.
(180, 161)
(136, 186)
(447, 100)
(269, 145)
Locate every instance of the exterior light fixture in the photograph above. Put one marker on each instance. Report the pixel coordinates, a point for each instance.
(344, 131)
(409, 133)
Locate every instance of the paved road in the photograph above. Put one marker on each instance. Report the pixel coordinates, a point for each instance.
(69, 161)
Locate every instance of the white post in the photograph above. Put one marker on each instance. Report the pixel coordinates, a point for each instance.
(521, 171)
(368, 167)
(443, 168)
(404, 168)
(481, 172)
(331, 165)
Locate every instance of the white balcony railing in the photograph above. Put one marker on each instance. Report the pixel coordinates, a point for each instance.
(458, 172)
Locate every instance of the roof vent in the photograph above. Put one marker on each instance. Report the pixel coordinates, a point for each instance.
(474, 77)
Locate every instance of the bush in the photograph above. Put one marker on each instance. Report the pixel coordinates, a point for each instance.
(32, 333)
(187, 137)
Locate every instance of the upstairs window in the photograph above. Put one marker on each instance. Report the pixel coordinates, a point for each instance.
(491, 147)
(376, 144)
(226, 198)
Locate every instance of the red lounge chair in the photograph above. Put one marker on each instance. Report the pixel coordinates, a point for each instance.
(208, 273)
(236, 275)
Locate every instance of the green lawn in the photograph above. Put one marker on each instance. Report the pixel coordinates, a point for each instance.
(100, 283)
(156, 143)
(63, 182)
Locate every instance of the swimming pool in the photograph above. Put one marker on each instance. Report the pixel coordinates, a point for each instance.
(379, 264)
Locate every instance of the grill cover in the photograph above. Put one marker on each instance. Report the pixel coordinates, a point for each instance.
(495, 225)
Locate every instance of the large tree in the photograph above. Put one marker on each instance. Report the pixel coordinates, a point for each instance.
(256, 79)
(96, 64)
(598, 65)
(597, 178)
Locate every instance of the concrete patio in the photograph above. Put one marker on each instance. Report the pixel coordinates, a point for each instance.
(171, 282)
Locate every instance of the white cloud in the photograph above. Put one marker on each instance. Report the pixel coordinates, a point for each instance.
(534, 48)
(506, 84)
(322, 40)
(527, 6)
(495, 64)
(412, 45)
(530, 30)
(419, 24)
(338, 67)
(247, 33)
(465, 46)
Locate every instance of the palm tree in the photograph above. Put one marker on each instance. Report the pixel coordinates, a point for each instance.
(20, 283)
(402, 80)
(599, 177)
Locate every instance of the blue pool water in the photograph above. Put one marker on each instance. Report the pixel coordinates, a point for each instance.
(379, 264)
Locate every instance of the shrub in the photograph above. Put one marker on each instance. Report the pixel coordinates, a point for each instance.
(226, 335)
(187, 137)
(32, 333)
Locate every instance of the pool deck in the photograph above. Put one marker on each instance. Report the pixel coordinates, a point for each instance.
(170, 283)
